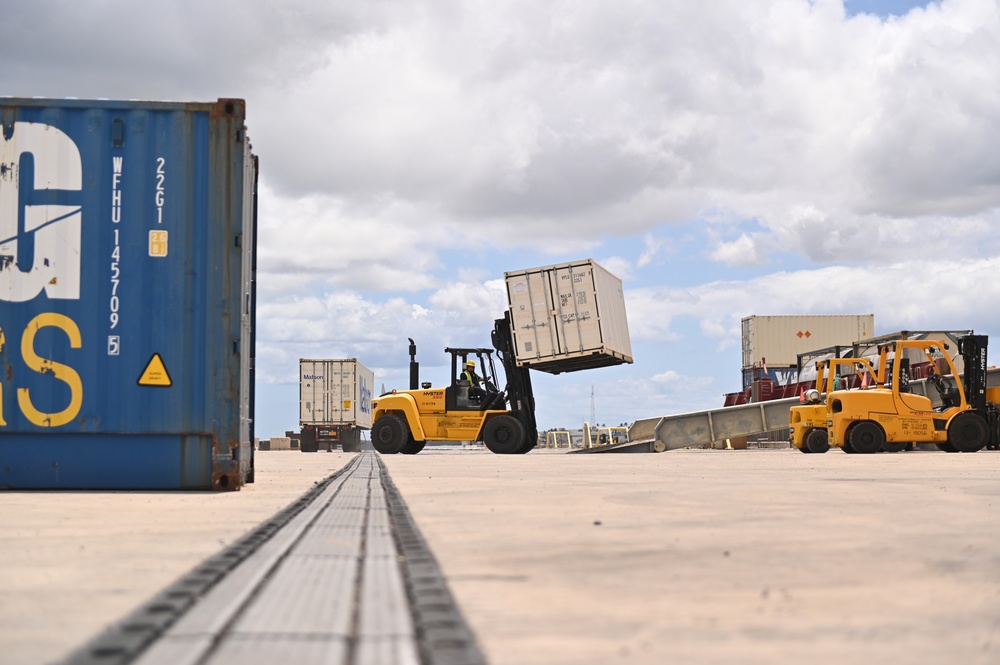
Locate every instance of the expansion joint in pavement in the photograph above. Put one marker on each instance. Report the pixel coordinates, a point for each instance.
(340, 576)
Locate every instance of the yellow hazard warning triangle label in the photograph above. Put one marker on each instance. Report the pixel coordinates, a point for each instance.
(155, 373)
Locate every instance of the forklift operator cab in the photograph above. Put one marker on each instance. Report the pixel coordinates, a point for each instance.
(470, 392)
(469, 381)
(946, 389)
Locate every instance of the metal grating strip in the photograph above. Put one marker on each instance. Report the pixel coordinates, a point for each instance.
(276, 649)
(385, 609)
(443, 635)
(347, 579)
(124, 641)
(306, 596)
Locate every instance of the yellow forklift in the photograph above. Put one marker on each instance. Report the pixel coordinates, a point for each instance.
(808, 419)
(865, 421)
(503, 419)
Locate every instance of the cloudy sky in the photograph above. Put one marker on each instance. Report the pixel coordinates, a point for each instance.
(724, 158)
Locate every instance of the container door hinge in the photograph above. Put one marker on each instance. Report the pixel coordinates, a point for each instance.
(117, 132)
(9, 116)
(238, 240)
(236, 346)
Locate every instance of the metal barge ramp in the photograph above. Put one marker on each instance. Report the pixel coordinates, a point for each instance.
(700, 428)
(341, 576)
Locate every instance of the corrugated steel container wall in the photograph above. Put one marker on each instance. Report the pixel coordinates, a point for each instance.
(335, 392)
(127, 236)
(779, 340)
(568, 317)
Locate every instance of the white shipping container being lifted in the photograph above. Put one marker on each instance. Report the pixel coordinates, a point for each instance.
(568, 317)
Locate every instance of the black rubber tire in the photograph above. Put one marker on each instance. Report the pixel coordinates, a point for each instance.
(350, 441)
(894, 446)
(817, 441)
(389, 434)
(527, 447)
(968, 432)
(946, 447)
(504, 435)
(413, 446)
(307, 441)
(866, 437)
(848, 448)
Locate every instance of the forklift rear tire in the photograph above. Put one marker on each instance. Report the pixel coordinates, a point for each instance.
(413, 446)
(894, 446)
(866, 437)
(946, 447)
(527, 447)
(968, 432)
(504, 435)
(817, 441)
(389, 434)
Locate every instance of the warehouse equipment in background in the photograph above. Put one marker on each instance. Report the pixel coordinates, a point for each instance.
(967, 418)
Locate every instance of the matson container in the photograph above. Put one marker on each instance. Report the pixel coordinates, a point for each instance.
(127, 236)
(335, 402)
(778, 340)
(568, 317)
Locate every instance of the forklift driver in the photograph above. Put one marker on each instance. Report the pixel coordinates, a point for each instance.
(476, 391)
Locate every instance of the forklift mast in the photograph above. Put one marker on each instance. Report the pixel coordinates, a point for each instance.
(520, 397)
(973, 350)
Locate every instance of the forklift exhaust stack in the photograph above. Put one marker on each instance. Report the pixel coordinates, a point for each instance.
(414, 366)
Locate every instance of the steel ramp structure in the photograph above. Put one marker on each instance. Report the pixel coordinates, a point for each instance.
(700, 428)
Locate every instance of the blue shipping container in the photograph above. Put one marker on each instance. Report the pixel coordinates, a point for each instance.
(127, 267)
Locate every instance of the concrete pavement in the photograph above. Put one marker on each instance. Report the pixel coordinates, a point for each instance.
(75, 562)
(698, 556)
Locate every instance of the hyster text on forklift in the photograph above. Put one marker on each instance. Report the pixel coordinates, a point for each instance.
(864, 421)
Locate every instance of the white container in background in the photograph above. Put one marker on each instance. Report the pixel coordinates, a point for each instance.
(335, 392)
(778, 340)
